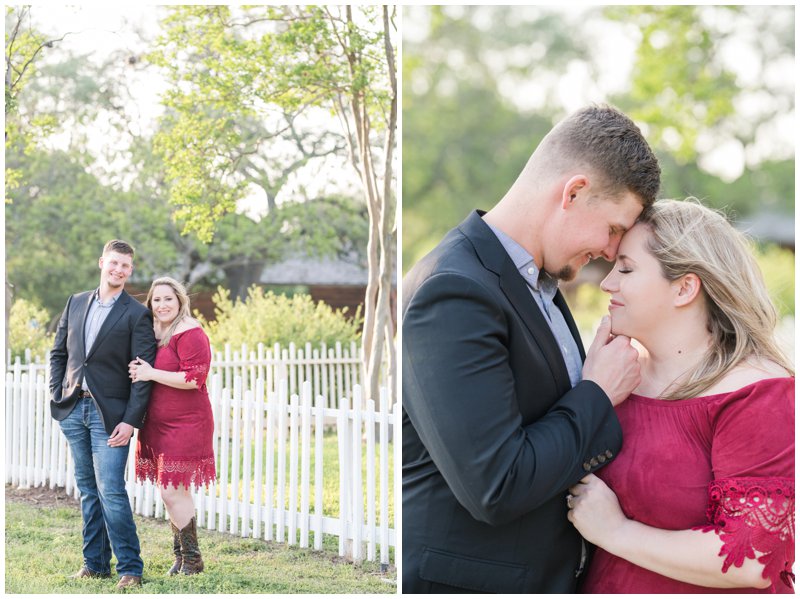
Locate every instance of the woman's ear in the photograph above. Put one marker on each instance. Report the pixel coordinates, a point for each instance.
(687, 289)
(571, 189)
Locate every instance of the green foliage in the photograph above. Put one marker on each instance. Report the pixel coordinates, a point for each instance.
(690, 92)
(269, 318)
(234, 66)
(27, 329)
(61, 217)
(777, 266)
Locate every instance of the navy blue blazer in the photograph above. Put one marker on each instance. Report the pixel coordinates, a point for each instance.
(493, 432)
(126, 333)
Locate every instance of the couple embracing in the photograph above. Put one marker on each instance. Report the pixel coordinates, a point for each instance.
(117, 365)
(664, 466)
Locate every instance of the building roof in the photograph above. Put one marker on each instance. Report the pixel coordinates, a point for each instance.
(305, 270)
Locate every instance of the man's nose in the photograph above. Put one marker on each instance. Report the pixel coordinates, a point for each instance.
(610, 251)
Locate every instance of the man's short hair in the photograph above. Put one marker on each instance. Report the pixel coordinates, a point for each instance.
(119, 246)
(605, 140)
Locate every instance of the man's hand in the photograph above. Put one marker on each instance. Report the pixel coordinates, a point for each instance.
(120, 435)
(613, 363)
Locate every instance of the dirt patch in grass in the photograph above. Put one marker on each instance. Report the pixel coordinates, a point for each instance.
(41, 496)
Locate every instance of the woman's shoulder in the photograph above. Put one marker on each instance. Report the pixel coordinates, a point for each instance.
(190, 327)
(750, 373)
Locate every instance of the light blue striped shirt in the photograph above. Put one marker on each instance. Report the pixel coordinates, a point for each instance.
(543, 291)
(98, 312)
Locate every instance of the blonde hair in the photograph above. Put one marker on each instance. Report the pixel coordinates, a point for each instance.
(183, 300)
(686, 237)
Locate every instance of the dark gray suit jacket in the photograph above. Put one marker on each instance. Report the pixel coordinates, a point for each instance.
(493, 433)
(126, 333)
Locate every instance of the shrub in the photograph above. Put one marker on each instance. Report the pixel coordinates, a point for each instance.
(27, 329)
(267, 318)
(778, 267)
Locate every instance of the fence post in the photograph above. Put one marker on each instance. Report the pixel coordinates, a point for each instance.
(222, 523)
(305, 478)
(9, 412)
(272, 408)
(283, 408)
(247, 423)
(358, 489)
(384, 470)
(293, 418)
(236, 440)
(397, 413)
(259, 436)
(343, 437)
(370, 432)
(318, 471)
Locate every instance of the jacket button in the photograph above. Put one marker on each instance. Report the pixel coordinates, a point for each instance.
(593, 462)
(586, 466)
(602, 457)
(609, 455)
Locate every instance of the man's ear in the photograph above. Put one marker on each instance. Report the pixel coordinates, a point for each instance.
(100, 263)
(686, 288)
(571, 188)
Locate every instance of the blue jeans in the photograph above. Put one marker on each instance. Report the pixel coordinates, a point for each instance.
(100, 475)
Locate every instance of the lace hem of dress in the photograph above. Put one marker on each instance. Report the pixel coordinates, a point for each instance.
(195, 372)
(176, 471)
(754, 514)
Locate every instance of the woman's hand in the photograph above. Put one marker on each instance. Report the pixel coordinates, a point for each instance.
(139, 370)
(594, 510)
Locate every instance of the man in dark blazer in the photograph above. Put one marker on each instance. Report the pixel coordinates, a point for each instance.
(501, 413)
(99, 333)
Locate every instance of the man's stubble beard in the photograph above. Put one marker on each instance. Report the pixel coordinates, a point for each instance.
(566, 273)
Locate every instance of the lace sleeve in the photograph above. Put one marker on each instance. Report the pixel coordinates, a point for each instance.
(194, 355)
(754, 514)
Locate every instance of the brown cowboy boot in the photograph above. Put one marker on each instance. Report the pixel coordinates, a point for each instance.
(176, 548)
(190, 550)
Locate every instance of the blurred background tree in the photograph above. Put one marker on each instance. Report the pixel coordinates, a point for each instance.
(83, 166)
(711, 87)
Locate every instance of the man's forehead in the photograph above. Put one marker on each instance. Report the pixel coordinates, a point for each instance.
(119, 257)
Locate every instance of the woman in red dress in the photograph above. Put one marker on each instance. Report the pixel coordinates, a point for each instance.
(701, 497)
(175, 445)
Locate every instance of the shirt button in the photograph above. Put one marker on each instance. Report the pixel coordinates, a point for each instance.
(531, 270)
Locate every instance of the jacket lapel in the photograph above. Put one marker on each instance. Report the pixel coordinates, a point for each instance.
(495, 258)
(120, 307)
(89, 300)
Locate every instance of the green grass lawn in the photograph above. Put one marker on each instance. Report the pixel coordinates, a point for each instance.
(43, 547)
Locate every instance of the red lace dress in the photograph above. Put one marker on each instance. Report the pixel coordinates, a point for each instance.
(176, 442)
(721, 463)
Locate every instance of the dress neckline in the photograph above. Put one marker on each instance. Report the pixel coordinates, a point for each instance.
(703, 398)
(181, 333)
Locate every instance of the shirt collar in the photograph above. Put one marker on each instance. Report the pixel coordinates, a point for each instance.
(111, 302)
(524, 263)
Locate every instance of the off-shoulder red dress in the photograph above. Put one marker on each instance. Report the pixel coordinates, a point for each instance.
(721, 463)
(176, 443)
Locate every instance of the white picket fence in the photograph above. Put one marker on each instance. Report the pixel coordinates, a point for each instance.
(256, 433)
(333, 371)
